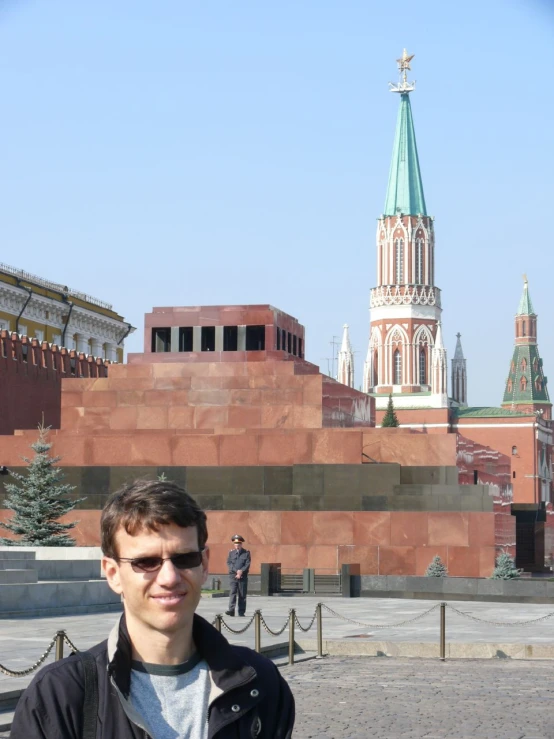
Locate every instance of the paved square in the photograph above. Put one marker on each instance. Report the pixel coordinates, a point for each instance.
(382, 698)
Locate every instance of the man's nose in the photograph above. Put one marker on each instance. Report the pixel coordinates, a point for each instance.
(168, 574)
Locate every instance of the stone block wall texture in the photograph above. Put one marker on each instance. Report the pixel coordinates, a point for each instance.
(381, 542)
(272, 448)
(321, 516)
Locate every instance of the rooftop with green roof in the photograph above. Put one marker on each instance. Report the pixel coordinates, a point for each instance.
(525, 307)
(405, 188)
(487, 412)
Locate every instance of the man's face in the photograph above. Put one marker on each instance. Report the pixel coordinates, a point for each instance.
(237, 545)
(165, 600)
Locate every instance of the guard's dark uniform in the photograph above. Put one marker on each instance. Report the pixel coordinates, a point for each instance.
(238, 559)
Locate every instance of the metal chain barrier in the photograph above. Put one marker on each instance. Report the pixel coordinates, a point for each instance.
(237, 631)
(381, 626)
(500, 623)
(37, 664)
(70, 644)
(270, 631)
(302, 628)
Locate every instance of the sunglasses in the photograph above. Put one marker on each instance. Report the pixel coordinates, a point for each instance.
(185, 561)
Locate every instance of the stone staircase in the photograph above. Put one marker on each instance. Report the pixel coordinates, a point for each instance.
(18, 567)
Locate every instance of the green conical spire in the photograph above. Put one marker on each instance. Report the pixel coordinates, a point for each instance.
(405, 190)
(525, 304)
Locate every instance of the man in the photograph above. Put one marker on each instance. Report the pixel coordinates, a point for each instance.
(164, 671)
(238, 564)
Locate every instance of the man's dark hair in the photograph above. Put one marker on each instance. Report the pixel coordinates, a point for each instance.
(149, 504)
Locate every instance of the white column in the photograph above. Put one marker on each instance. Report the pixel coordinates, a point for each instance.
(82, 344)
(111, 352)
(96, 348)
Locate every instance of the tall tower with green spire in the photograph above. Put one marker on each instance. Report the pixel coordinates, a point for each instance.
(405, 345)
(526, 387)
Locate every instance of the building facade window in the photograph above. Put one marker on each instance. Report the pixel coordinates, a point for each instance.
(397, 368)
(399, 261)
(419, 262)
(422, 367)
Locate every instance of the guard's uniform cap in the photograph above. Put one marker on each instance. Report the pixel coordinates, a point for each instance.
(237, 537)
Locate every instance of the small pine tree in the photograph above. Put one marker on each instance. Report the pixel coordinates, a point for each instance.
(162, 477)
(436, 568)
(38, 501)
(390, 419)
(505, 568)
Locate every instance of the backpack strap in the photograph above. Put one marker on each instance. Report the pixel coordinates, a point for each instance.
(90, 704)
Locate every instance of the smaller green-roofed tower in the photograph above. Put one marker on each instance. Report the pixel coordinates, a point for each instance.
(526, 386)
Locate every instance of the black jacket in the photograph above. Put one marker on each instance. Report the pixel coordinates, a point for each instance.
(249, 698)
(238, 560)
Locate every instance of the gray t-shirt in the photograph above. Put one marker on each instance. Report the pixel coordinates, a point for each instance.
(172, 699)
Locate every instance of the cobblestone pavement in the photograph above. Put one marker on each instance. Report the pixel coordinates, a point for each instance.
(379, 698)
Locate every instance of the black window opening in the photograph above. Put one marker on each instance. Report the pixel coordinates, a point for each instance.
(294, 345)
(514, 474)
(185, 339)
(208, 339)
(475, 477)
(255, 338)
(161, 339)
(230, 338)
(300, 348)
(278, 330)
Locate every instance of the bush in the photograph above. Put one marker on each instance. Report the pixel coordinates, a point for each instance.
(505, 568)
(436, 568)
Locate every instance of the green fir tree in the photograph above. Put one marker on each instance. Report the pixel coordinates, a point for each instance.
(505, 568)
(390, 419)
(436, 568)
(39, 500)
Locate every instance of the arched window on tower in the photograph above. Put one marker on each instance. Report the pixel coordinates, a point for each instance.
(419, 262)
(399, 261)
(422, 367)
(523, 382)
(397, 368)
(524, 330)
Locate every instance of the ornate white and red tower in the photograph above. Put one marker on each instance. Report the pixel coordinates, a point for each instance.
(405, 355)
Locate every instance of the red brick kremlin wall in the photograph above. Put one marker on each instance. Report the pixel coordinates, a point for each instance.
(30, 375)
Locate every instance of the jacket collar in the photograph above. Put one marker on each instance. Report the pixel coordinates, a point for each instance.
(227, 669)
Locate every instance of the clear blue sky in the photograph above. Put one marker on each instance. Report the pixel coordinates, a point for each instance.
(215, 152)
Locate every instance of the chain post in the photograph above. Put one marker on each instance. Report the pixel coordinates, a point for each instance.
(218, 620)
(443, 631)
(319, 632)
(257, 631)
(59, 644)
(292, 616)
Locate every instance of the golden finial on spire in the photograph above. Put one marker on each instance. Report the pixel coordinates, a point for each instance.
(525, 280)
(403, 85)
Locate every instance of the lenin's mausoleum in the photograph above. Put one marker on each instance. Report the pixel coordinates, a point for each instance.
(223, 401)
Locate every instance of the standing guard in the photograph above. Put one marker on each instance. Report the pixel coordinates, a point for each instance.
(238, 564)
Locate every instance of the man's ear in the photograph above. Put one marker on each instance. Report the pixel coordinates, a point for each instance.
(111, 569)
(205, 563)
